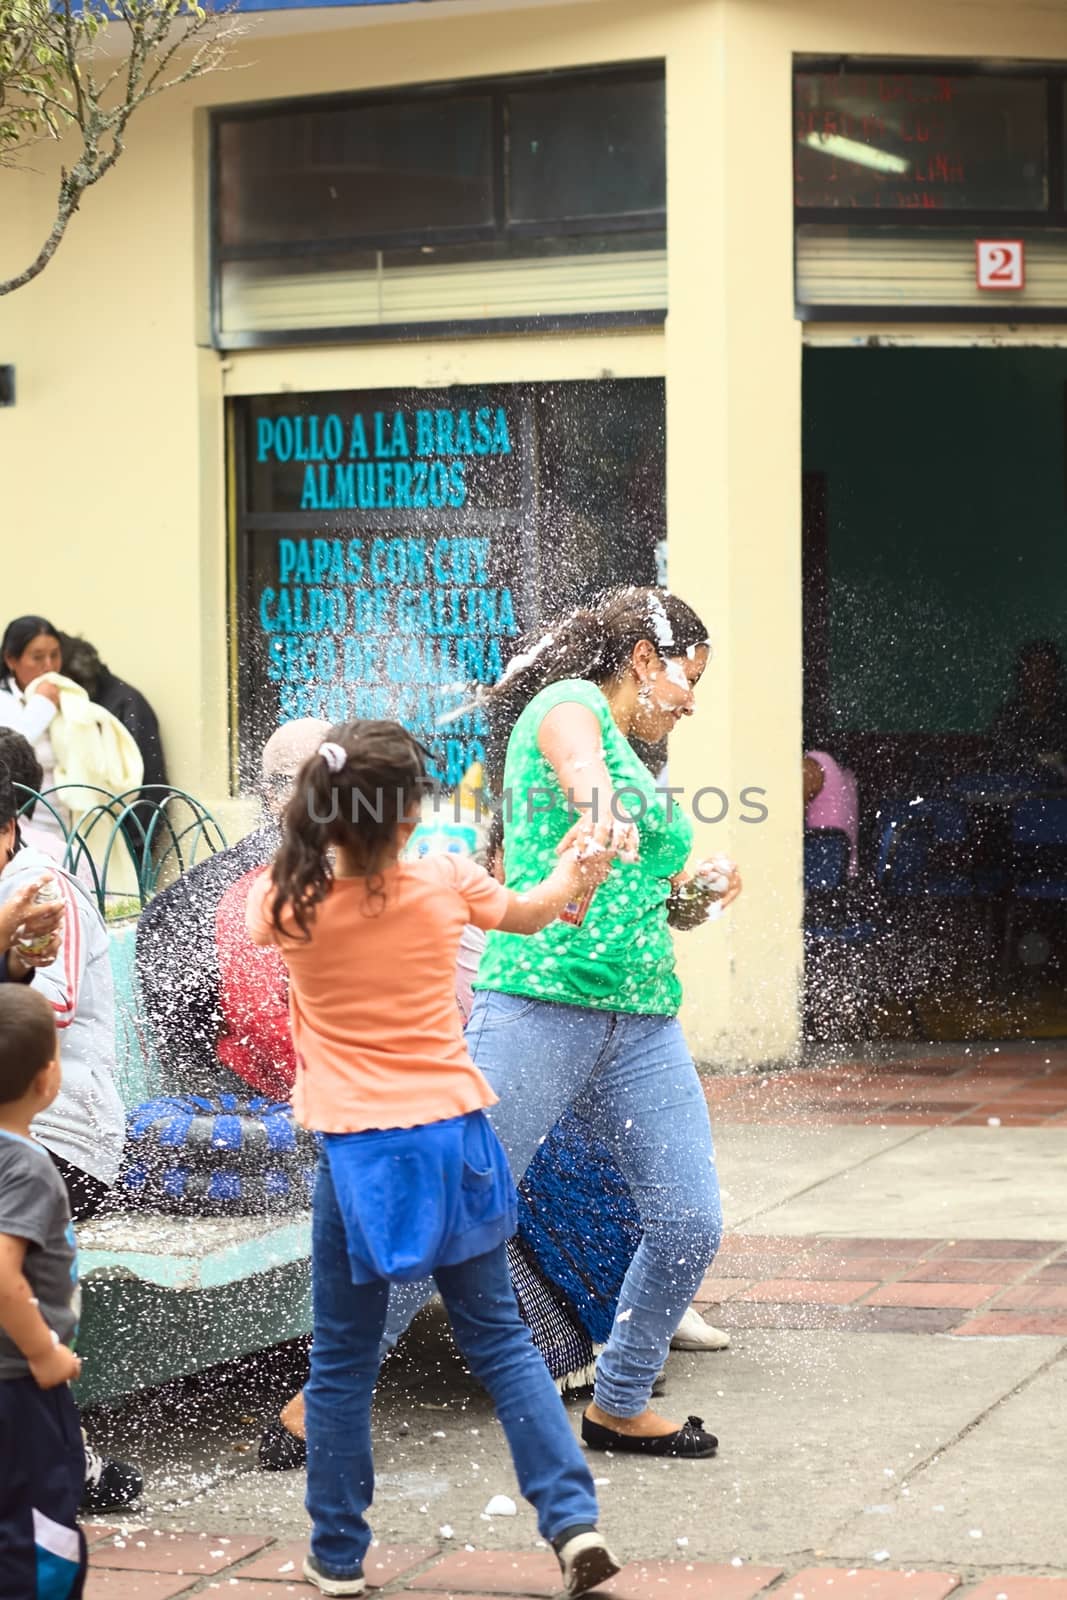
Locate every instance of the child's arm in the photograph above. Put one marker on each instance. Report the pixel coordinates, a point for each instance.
(50, 1363)
(583, 865)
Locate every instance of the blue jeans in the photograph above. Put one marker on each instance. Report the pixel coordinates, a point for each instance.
(633, 1078)
(348, 1324)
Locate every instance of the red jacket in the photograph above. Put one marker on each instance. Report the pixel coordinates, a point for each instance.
(254, 1041)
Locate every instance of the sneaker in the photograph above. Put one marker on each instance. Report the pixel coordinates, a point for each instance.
(109, 1485)
(333, 1582)
(584, 1559)
(693, 1333)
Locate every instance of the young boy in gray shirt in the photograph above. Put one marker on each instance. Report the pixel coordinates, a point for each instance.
(42, 1550)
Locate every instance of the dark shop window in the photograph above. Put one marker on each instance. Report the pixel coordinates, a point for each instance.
(356, 171)
(509, 202)
(618, 130)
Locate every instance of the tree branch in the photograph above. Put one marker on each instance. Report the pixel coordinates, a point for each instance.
(70, 194)
(47, 50)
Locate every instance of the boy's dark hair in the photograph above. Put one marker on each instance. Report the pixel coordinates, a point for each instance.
(358, 805)
(9, 800)
(27, 1039)
(17, 756)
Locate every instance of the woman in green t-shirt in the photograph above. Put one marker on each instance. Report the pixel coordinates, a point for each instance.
(585, 1015)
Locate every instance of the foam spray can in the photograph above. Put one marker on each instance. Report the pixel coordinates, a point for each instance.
(47, 895)
(574, 912)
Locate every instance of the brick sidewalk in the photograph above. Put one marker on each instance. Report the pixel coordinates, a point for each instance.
(964, 1287)
(1011, 1088)
(146, 1566)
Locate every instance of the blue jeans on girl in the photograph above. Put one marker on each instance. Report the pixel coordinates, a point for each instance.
(349, 1320)
(634, 1080)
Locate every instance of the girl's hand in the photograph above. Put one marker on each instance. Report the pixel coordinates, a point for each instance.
(49, 691)
(621, 837)
(591, 851)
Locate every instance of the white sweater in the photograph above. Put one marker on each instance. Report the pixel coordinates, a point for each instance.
(31, 715)
(86, 1123)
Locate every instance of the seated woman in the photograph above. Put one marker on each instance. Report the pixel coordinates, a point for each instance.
(31, 648)
(831, 800)
(216, 1006)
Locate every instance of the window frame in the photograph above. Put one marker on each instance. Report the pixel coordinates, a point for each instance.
(993, 222)
(500, 230)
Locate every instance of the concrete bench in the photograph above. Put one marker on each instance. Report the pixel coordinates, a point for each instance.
(161, 1295)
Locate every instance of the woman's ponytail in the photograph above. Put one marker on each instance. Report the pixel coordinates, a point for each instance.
(586, 643)
(573, 647)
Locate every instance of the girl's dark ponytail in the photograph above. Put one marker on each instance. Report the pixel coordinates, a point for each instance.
(365, 779)
(302, 872)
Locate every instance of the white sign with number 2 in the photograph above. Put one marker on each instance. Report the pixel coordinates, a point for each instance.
(1000, 263)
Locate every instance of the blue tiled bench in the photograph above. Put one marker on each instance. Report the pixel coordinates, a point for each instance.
(163, 1295)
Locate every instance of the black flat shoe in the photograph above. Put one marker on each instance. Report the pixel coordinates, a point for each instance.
(280, 1450)
(690, 1440)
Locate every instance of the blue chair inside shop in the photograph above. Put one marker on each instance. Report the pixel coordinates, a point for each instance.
(1039, 844)
(826, 853)
(834, 913)
(923, 850)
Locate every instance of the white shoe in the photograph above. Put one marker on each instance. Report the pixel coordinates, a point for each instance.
(332, 1583)
(585, 1561)
(693, 1333)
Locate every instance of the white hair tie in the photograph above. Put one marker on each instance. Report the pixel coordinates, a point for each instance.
(334, 755)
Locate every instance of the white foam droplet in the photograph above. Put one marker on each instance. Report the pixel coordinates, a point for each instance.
(501, 1506)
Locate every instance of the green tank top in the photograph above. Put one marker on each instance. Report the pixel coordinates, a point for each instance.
(622, 957)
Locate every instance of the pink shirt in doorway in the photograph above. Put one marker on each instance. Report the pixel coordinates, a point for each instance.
(837, 803)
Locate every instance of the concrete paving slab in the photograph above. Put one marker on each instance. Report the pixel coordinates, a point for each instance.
(816, 1429)
(761, 1167)
(944, 1183)
(998, 1492)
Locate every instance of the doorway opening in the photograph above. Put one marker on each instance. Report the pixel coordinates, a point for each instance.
(935, 643)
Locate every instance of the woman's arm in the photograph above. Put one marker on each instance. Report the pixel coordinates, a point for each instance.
(569, 738)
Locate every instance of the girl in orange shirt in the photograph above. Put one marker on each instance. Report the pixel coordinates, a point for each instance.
(412, 1180)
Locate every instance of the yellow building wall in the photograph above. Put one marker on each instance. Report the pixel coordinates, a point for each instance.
(112, 489)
